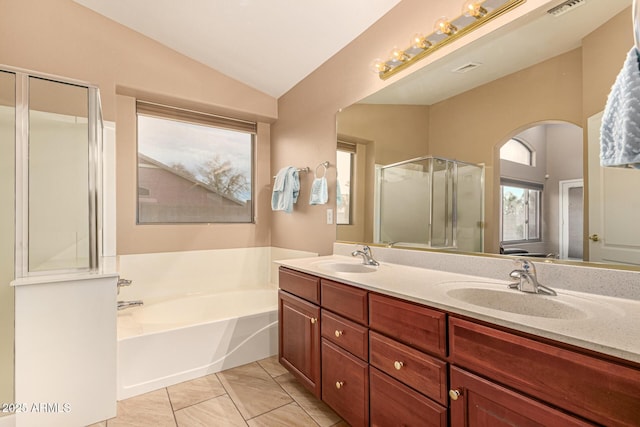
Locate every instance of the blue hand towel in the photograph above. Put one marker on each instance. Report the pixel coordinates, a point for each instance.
(339, 200)
(319, 193)
(620, 130)
(285, 189)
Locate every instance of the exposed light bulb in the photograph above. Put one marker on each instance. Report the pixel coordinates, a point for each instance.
(473, 8)
(379, 66)
(444, 26)
(398, 55)
(419, 41)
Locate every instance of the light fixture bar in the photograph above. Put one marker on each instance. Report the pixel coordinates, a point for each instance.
(385, 71)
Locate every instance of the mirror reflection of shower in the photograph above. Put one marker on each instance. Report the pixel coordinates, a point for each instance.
(430, 202)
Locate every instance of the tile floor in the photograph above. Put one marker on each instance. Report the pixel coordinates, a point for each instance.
(260, 394)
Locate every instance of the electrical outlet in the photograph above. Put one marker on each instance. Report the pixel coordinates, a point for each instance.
(329, 216)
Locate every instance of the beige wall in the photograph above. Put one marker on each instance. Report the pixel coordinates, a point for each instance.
(63, 38)
(305, 131)
(132, 238)
(393, 133)
(472, 126)
(398, 132)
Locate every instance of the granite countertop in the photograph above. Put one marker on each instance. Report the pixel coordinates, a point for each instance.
(604, 324)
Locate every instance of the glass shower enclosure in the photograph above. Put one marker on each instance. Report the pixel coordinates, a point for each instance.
(431, 202)
(53, 136)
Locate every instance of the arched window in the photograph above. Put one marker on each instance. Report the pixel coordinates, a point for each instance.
(517, 151)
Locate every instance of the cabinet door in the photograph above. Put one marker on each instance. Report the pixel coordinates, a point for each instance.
(345, 384)
(599, 390)
(395, 404)
(482, 403)
(299, 346)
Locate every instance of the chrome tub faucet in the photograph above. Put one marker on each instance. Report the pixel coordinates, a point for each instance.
(527, 279)
(367, 256)
(126, 304)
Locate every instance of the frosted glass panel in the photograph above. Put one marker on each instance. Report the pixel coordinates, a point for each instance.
(58, 176)
(442, 204)
(469, 208)
(404, 203)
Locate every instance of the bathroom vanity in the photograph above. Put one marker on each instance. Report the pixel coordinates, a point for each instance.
(389, 346)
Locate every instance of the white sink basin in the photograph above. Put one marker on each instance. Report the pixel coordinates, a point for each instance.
(346, 267)
(513, 301)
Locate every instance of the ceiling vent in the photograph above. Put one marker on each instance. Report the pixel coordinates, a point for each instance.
(466, 67)
(565, 7)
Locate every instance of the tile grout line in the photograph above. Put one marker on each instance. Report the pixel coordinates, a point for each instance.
(173, 413)
(235, 405)
(226, 393)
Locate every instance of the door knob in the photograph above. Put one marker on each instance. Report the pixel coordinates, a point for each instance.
(339, 384)
(594, 237)
(454, 394)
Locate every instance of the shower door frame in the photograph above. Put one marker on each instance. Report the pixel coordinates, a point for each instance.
(94, 199)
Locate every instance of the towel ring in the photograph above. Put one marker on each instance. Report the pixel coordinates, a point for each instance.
(325, 165)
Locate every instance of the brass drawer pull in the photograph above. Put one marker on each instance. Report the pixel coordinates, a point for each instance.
(338, 333)
(455, 394)
(398, 365)
(339, 384)
(313, 320)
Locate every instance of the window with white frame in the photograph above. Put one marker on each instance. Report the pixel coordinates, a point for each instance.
(521, 206)
(517, 151)
(344, 165)
(193, 167)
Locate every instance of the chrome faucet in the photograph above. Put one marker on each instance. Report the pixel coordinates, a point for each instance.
(123, 282)
(527, 279)
(367, 257)
(126, 304)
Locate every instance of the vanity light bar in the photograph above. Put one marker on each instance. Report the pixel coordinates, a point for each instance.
(475, 14)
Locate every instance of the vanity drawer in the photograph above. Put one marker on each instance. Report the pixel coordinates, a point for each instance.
(412, 324)
(300, 284)
(394, 404)
(345, 333)
(596, 389)
(348, 301)
(345, 384)
(424, 373)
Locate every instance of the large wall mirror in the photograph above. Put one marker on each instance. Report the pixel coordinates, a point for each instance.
(524, 102)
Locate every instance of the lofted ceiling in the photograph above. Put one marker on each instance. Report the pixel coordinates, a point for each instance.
(269, 45)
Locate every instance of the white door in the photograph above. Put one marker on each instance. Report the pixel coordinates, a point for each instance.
(614, 206)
